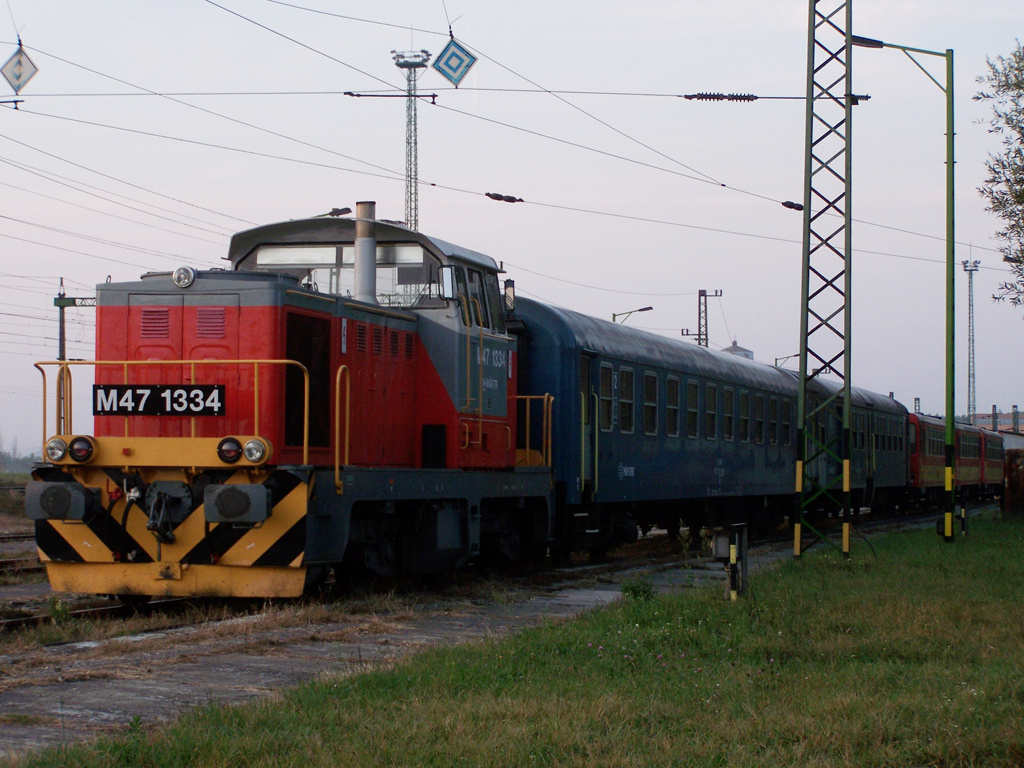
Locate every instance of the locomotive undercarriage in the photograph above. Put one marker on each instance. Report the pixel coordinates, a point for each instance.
(390, 522)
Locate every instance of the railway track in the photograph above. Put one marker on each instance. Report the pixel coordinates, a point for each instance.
(7, 538)
(652, 551)
(93, 612)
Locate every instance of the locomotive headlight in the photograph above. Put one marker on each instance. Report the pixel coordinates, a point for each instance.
(183, 276)
(56, 449)
(254, 451)
(81, 449)
(229, 450)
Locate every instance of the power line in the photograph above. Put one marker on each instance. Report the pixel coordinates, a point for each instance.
(97, 240)
(707, 179)
(128, 184)
(100, 212)
(220, 115)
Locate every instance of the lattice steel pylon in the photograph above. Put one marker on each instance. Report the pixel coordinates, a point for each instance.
(823, 409)
(970, 267)
(413, 63)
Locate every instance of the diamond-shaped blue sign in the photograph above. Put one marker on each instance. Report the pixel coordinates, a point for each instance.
(454, 62)
(19, 69)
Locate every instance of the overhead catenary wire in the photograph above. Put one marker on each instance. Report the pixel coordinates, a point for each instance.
(452, 188)
(395, 174)
(122, 181)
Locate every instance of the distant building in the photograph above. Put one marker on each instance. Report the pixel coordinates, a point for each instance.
(739, 351)
(1004, 421)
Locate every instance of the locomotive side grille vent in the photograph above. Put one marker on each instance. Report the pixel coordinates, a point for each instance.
(408, 346)
(360, 337)
(156, 322)
(393, 343)
(211, 323)
(378, 340)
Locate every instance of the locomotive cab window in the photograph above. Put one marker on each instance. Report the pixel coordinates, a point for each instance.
(477, 298)
(408, 276)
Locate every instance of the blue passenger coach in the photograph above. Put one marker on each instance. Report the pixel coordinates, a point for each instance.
(652, 431)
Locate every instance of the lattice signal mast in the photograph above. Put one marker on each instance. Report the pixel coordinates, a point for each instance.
(702, 317)
(413, 63)
(970, 267)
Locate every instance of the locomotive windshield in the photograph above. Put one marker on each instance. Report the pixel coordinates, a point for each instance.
(407, 275)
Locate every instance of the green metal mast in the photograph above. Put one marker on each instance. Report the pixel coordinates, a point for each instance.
(823, 449)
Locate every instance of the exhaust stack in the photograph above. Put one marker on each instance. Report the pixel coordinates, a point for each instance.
(366, 253)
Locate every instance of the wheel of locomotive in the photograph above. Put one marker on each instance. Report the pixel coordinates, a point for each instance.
(316, 579)
(138, 603)
(518, 546)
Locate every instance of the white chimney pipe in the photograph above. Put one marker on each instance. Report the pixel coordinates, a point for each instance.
(366, 253)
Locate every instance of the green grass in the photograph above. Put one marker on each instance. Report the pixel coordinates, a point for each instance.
(913, 658)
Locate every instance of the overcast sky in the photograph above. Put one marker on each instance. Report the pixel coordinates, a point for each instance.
(153, 131)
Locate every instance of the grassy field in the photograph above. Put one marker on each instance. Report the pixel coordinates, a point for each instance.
(911, 657)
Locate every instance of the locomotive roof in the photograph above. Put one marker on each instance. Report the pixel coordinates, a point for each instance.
(605, 338)
(342, 231)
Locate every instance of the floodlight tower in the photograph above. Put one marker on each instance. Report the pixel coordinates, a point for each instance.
(970, 267)
(413, 64)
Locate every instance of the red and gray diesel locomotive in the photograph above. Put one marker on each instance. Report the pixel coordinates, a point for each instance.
(354, 395)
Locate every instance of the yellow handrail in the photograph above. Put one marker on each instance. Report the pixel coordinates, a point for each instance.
(64, 399)
(547, 402)
(338, 486)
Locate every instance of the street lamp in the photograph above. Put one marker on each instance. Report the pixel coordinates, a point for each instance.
(867, 42)
(624, 315)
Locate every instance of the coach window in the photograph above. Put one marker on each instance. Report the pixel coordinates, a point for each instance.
(758, 418)
(787, 422)
(692, 410)
(773, 421)
(745, 417)
(672, 406)
(605, 398)
(711, 411)
(728, 414)
(650, 403)
(626, 400)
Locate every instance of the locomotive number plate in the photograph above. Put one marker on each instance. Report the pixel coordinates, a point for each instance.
(158, 400)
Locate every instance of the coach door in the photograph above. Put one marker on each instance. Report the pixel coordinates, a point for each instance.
(587, 398)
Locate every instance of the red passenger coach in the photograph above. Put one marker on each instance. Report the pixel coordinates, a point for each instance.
(992, 467)
(978, 460)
